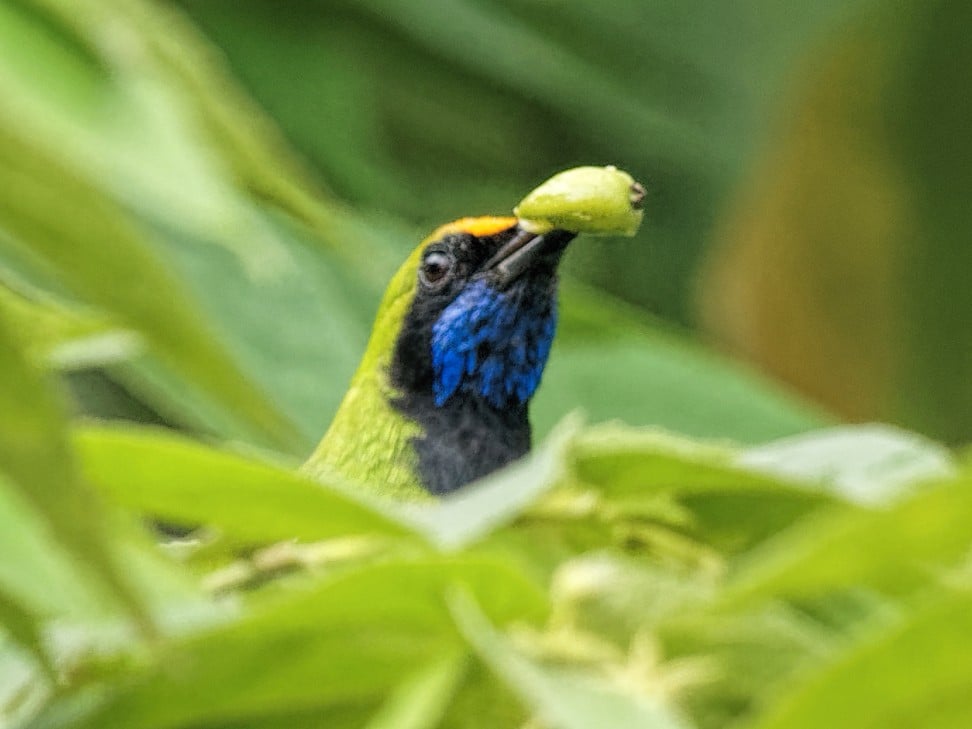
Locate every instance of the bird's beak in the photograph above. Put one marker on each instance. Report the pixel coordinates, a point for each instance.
(522, 251)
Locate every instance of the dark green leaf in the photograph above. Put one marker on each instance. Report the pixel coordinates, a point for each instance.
(616, 363)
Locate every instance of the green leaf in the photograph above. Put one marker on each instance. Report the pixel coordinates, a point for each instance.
(105, 262)
(913, 671)
(730, 505)
(298, 330)
(35, 455)
(421, 700)
(625, 461)
(125, 128)
(157, 473)
(353, 638)
(871, 464)
(65, 339)
(562, 699)
(24, 628)
(893, 548)
(22, 690)
(38, 571)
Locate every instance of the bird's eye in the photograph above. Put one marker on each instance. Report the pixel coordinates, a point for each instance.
(435, 268)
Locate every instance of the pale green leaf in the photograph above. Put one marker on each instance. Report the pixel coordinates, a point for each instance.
(157, 473)
(871, 464)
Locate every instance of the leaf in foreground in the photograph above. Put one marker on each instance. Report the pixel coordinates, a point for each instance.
(157, 473)
(561, 699)
(351, 638)
(911, 673)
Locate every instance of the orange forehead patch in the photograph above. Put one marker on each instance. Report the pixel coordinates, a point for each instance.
(479, 227)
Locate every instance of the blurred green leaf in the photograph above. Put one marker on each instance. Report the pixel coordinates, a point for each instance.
(170, 477)
(562, 699)
(730, 506)
(107, 264)
(892, 548)
(420, 701)
(351, 639)
(865, 464)
(37, 572)
(22, 692)
(297, 330)
(65, 339)
(22, 626)
(122, 123)
(34, 454)
(874, 683)
(616, 363)
(752, 656)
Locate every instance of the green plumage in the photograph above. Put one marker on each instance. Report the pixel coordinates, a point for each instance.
(368, 442)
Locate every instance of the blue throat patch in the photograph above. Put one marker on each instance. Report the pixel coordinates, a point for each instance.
(493, 343)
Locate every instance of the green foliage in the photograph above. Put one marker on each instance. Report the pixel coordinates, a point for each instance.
(378, 611)
(153, 225)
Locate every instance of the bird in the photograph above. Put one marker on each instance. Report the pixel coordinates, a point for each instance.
(460, 341)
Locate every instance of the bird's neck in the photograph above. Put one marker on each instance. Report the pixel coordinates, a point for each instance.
(464, 439)
(369, 442)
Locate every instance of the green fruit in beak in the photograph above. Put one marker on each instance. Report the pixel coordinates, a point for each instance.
(591, 200)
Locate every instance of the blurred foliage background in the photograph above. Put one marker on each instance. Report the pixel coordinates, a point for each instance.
(801, 157)
(806, 170)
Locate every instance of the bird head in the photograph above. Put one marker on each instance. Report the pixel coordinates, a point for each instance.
(459, 346)
(482, 316)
